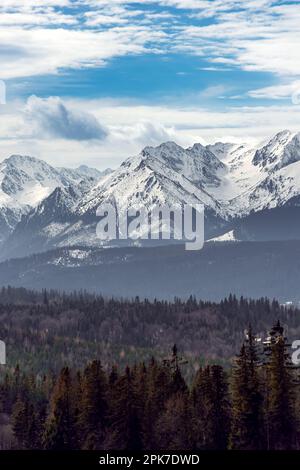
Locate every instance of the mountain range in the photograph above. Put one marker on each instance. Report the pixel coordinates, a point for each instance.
(253, 193)
(249, 269)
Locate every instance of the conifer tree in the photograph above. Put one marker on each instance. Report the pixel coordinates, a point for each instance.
(201, 403)
(220, 409)
(60, 433)
(6, 394)
(24, 423)
(113, 376)
(140, 375)
(94, 407)
(247, 417)
(173, 363)
(158, 388)
(211, 408)
(125, 431)
(173, 429)
(20, 422)
(280, 399)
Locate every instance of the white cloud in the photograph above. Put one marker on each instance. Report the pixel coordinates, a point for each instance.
(130, 127)
(275, 92)
(53, 118)
(259, 35)
(23, 4)
(214, 91)
(36, 18)
(143, 133)
(39, 37)
(42, 51)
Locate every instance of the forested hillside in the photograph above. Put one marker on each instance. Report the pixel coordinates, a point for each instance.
(150, 406)
(45, 331)
(252, 269)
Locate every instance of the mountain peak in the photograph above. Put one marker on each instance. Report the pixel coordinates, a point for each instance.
(160, 150)
(16, 158)
(21, 160)
(224, 150)
(273, 152)
(283, 134)
(88, 171)
(230, 179)
(26, 181)
(197, 147)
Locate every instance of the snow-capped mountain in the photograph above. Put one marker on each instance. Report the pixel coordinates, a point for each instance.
(157, 176)
(166, 174)
(271, 175)
(26, 181)
(280, 151)
(48, 221)
(231, 180)
(197, 163)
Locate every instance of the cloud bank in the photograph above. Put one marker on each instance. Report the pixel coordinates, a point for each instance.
(52, 118)
(257, 35)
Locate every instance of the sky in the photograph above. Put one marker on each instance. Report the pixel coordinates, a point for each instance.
(94, 81)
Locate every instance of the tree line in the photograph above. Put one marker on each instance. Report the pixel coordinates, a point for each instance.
(43, 331)
(151, 406)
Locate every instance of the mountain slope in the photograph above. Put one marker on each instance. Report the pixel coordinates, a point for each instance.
(233, 181)
(149, 179)
(26, 181)
(276, 179)
(154, 177)
(251, 269)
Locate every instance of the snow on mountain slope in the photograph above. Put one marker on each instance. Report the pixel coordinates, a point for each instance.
(231, 180)
(272, 154)
(47, 221)
(275, 190)
(291, 152)
(26, 181)
(259, 178)
(166, 175)
(240, 175)
(226, 237)
(273, 175)
(224, 151)
(147, 180)
(197, 163)
(83, 172)
(157, 177)
(93, 172)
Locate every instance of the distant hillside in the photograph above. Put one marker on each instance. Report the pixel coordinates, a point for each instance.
(252, 269)
(44, 331)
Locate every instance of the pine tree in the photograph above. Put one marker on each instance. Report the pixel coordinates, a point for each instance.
(173, 363)
(173, 429)
(158, 388)
(24, 424)
(211, 408)
(125, 431)
(6, 394)
(220, 409)
(113, 376)
(60, 433)
(45, 298)
(247, 417)
(280, 399)
(94, 407)
(20, 422)
(140, 385)
(201, 402)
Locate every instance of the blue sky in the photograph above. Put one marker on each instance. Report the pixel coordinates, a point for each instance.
(161, 78)
(93, 81)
